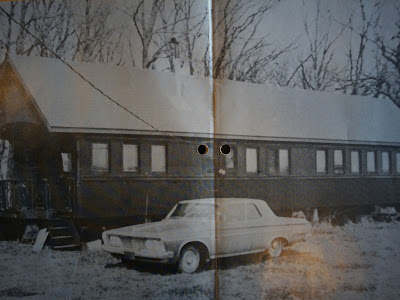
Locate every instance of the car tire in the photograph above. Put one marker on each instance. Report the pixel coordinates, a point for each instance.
(191, 259)
(276, 248)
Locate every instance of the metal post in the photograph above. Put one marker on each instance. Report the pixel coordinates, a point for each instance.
(147, 205)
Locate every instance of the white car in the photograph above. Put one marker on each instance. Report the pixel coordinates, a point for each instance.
(196, 231)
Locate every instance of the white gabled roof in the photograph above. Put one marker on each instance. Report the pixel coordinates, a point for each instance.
(183, 105)
(68, 103)
(294, 114)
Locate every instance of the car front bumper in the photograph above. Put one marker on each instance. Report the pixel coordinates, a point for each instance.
(145, 254)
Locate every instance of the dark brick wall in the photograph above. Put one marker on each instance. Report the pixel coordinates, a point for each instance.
(117, 194)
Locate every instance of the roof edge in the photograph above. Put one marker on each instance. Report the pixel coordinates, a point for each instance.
(168, 134)
(30, 96)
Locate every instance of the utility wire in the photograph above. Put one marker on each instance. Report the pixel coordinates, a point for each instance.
(90, 83)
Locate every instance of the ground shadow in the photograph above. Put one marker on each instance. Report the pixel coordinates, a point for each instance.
(250, 259)
(220, 263)
(145, 267)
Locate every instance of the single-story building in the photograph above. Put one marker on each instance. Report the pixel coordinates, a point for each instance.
(77, 154)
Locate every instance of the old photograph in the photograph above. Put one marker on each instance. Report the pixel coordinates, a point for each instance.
(199, 149)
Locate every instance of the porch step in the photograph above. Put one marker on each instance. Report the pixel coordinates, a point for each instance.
(67, 247)
(62, 237)
(63, 234)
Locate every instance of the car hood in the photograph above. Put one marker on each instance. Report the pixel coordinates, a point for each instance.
(165, 229)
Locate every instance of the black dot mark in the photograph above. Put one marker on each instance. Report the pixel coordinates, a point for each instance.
(225, 149)
(202, 149)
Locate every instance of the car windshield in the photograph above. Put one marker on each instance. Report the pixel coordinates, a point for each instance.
(193, 210)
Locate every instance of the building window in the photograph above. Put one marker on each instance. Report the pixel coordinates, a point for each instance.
(385, 162)
(158, 159)
(355, 161)
(283, 161)
(321, 161)
(66, 162)
(251, 160)
(100, 157)
(130, 158)
(371, 162)
(230, 159)
(207, 159)
(398, 163)
(338, 161)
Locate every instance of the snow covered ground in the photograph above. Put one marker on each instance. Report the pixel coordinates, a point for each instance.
(354, 261)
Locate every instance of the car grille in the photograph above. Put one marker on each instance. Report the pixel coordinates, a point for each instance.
(133, 243)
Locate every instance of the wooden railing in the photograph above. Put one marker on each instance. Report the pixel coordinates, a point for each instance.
(5, 194)
(15, 195)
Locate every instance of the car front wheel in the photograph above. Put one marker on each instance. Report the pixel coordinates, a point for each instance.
(190, 260)
(276, 248)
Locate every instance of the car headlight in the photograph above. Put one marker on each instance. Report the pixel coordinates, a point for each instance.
(155, 245)
(115, 241)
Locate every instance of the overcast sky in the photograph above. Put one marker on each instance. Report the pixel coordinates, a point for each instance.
(286, 22)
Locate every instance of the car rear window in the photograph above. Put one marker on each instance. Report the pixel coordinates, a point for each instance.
(240, 212)
(252, 212)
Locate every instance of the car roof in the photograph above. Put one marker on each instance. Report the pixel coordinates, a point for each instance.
(222, 200)
(261, 204)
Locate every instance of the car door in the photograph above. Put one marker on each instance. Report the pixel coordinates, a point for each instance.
(231, 231)
(255, 228)
(239, 228)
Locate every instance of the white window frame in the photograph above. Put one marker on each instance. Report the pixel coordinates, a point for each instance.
(371, 164)
(253, 167)
(207, 159)
(127, 161)
(385, 168)
(99, 167)
(155, 166)
(281, 155)
(229, 160)
(66, 158)
(338, 169)
(352, 170)
(318, 166)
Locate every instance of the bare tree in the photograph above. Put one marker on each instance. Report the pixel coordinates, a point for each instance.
(317, 71)
(194, 22)
(279, 71)
(21, 38)
(258, 63)
(7, 26)
(387, 79)
(237, 42)
(167, 42)
(97, 40)
(145, 25)
(50, 22)
(60, 26)
(357, 77)
(166, 28)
